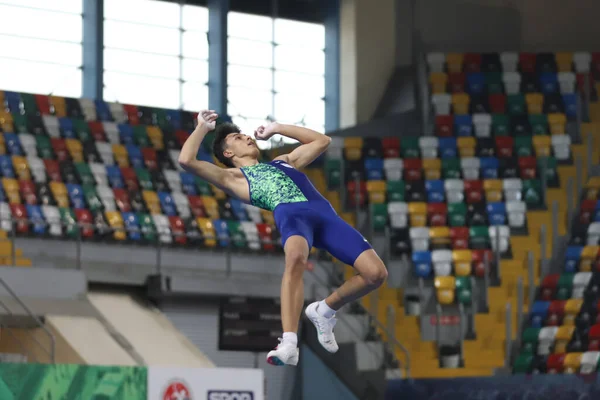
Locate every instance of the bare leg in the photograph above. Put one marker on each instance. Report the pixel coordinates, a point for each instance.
(371, 274)
(292, 285)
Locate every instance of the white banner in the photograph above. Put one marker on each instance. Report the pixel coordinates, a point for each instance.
(165, 383)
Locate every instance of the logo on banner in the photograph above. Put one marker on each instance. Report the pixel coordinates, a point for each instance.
(177, 390)
(230, 395)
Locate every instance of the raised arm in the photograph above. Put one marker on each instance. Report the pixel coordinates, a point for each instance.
(312, 143)
(187, 158)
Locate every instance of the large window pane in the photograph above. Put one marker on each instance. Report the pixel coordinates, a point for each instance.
(249, 103)
(195, 70)
(195, 18)
(40, 24)
(248, 125)
(143, 11)
(41, 50)
(35, 77)
(294, 108)
(135, 89)
(195, 45)
(195, 96)
(299, 33)
(250, 77)
(68, 6)
(150, 39)
(299, 59)
(292, 82)
(248, 26)
(141, 63)
(251, 53)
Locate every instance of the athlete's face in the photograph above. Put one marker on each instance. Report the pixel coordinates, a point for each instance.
(240, 145)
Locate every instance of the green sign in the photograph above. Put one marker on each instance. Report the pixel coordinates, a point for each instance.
(72, 382)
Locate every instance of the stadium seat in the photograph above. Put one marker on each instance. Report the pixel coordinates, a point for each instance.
(445, 289)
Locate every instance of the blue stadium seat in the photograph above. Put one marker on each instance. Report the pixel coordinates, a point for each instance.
(448, 147)
(102, 111)
(463, 125)
(374, 169)
(538, 314)
(167, 204)
(3, 198)
(126, 134)
(174, 117)
(549, 82)
(204, 156)
(35, 215)
(222, 232)
(13, 145)
(475, 83)
(188, 183)
(6, 166)
(238, 209)
(435, 191)
(135, 156)
(489, 167)
(13, 102)
(570, 103)
(422, 263)
(572, 257)
(496, 213)
(66, 128)
(132, 226)
(115, 179)
(76, 195)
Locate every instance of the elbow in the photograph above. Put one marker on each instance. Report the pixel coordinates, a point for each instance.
(185, 162)
(326, 142)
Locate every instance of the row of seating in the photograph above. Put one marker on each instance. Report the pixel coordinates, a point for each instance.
(569, 363)
(95, 110)
(507, 82)
(580, 62)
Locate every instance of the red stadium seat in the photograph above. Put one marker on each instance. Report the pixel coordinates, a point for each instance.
(444, 125)
(97, 131)
(196, 206)
(504, 146)
(60, 149)
(265, 233)
(150, 158)
(437, 214)
(391, 147)
(28, 193)
(84, 217)
(587, 211)
(130, 179)
(132, 114)
(122, 200)
(556, 312)
(457, 82)
(480, 258)
(549, 285)
(178, 230)
(527, 62)
(19, 213)
(528, 167)
(362, 195)
(498, 103)
(474, 191)
(459, 235)
(181, 136)
(413, 169)
(43, 104)
(53, 170)
(554, 363)
(472, 62)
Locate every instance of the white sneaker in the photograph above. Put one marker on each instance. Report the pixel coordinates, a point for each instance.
(324, 327)
(284, 354)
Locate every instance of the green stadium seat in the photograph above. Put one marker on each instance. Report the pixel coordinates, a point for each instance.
(332, 172)
(44, 147)
(91, 197)
(379, 216)
(539, 124)
(457, 214)
(551, 171)
(67, 217)
(493, 81)
(82, 129)
(524, 146)
(147, 227)
(522, 363)
(409, 147)
(144, 178)
(29, 104)
(516, 104)
(565, 286)
(463, 289)
(451, 168)
(85, 174)
(161, 118)
(20, 123)
(140, 135)
(532, 192)
(204, 188)
(530, 339)
(236, 234)
(395, 190)
(479, 237)
(500, 125)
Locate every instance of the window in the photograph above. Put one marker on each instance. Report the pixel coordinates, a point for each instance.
(156, 54)
(276, 71)
(43, 55)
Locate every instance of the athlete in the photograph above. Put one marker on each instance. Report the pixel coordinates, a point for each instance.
(302, 215)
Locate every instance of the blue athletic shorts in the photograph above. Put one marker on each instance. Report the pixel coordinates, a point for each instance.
(319, 224)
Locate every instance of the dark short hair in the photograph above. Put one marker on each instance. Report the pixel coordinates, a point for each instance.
(221, 133)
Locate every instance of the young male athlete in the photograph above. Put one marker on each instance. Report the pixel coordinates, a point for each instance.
(303, 217)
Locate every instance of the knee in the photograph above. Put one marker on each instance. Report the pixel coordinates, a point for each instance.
(295, 262)
(376, 275)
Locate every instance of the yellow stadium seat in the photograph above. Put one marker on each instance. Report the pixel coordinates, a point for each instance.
(115, 220)
(2, 143)
(219, 194)
(588, 256)
(438, 81)
(267, 217)
(564, 61)
(353, 148)
(1, 97)
(593, 183)
(460, 103)
(542, 145)
(152, 201)
(454, 61)
(462, 260)
(418, 213)
(334, 198)
(445, 286)
(58, 106)
(572, 363)
(572, 307)
(562, 338)
(557, 123)
(59, 191)
(11, 188)
(6, 121)
(493, 190)
(439, 236)
(75, 148)
(466, 146)
(535, 101)
(208, 231)
(21, 167)
(349, 217)
(120, 154)
(376, 190)
(156, 137)
(211, 206)
(432, 168)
